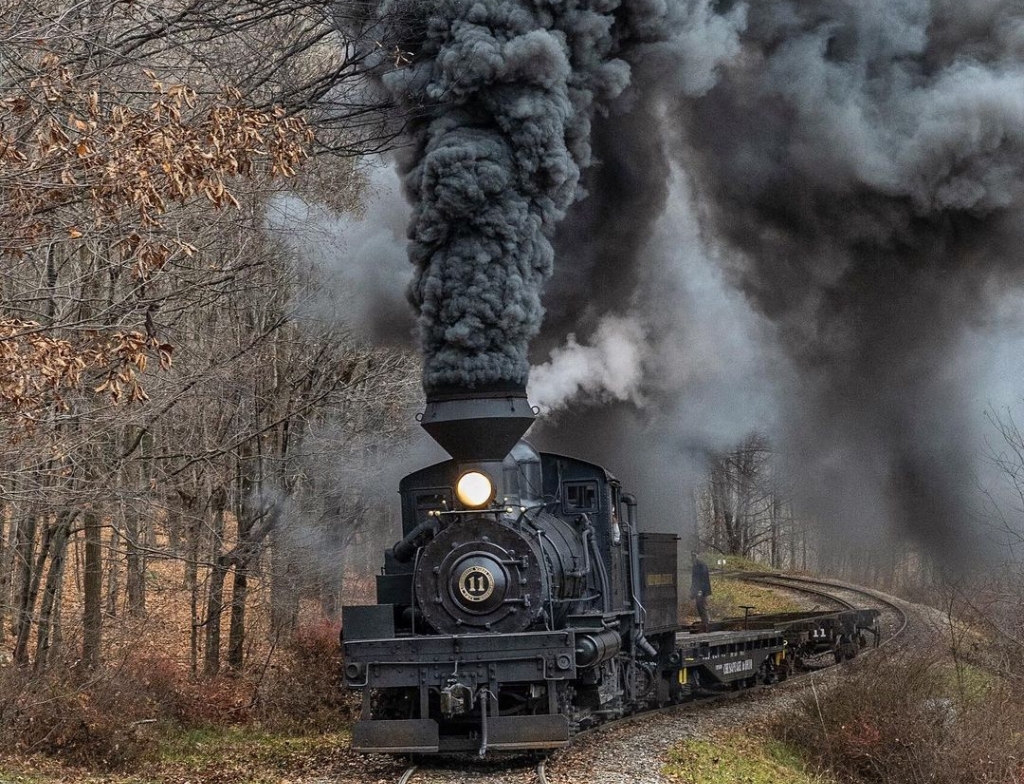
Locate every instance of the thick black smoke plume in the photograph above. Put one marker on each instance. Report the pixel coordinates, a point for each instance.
(500, 97)
(867, 160)
(860, 166)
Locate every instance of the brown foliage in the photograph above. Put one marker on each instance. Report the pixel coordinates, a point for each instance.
(95, 720)
(304, 686)
(77, 161)
(104, 719)
(37, 368)
(901, 720)
(93, 166)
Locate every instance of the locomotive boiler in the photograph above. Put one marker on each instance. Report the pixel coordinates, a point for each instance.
(522, 602)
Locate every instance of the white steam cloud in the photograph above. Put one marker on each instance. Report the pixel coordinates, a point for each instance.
(609, 368)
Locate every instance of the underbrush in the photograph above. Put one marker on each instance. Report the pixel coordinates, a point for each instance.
(304, 688)
(119, 716)
(909, 719)
(98, 719)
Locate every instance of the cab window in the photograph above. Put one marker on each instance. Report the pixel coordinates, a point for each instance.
(579, 497)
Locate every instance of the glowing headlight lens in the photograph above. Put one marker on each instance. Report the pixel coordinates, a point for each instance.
(474, 488)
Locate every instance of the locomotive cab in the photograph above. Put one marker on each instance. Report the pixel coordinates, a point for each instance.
(522, 603)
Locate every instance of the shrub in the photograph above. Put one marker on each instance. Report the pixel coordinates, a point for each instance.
(902, 720)
(303, 686)
(104, 719)
(224, 699)
(97, 719)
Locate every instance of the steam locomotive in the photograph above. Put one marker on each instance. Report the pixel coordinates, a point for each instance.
(524, 604)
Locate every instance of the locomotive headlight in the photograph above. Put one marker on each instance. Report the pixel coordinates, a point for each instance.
(474, 489)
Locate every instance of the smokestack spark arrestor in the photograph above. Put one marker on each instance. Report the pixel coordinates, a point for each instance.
(474, 425)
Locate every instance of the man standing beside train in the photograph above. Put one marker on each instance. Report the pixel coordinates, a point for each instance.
(700, 588)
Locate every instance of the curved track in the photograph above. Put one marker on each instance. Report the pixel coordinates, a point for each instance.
(830, 589)
(521, 768)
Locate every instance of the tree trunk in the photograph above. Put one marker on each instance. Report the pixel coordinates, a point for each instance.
(284, 603)
(24, 601)
(136, 580)
(113, 575)
(792, 539)
(214, 608)
(776, 522)
(92, 600)
(52, 591)
(236, 633)
(4, 566)
(215, 595)
(10, 524)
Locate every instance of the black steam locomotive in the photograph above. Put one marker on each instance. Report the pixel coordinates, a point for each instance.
(523, 603)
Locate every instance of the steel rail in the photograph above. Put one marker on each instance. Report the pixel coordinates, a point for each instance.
(785, 580)
(427, 764)
(710, 699)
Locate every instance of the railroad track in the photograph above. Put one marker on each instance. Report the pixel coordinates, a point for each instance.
(827, 589)
(516, 769)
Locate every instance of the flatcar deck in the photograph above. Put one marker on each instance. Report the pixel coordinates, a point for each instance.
(720, 637)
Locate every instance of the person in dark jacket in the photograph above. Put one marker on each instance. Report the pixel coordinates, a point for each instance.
(700, 588)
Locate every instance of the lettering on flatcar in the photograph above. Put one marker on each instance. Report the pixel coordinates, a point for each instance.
(731, 668)
(660, 579)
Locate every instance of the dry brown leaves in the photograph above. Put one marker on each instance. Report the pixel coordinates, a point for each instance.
(106, 164)
(38, 370)
(65, 147)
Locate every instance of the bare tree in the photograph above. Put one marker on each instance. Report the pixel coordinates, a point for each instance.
(141, 144)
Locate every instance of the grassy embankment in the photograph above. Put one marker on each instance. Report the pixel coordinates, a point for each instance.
(215, 755)
(737, 757)
(937, 713)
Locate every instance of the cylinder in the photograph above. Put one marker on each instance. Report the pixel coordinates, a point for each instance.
(592, 648)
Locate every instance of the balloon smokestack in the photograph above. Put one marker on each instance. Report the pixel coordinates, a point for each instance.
(477, 424)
